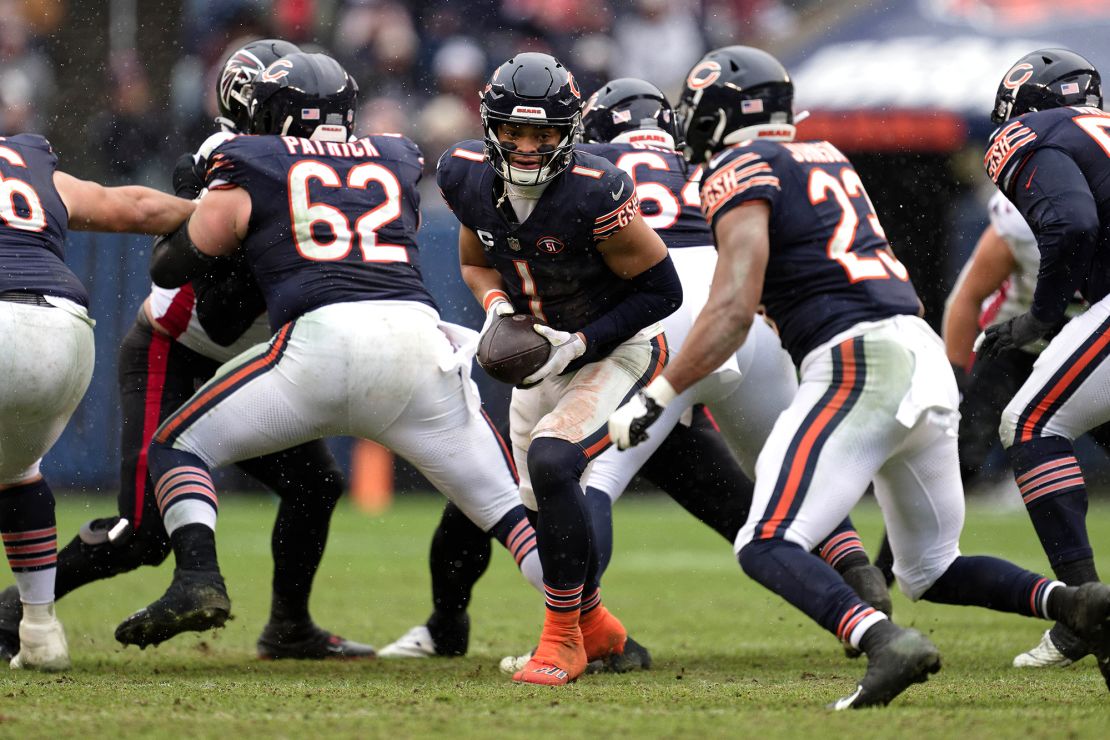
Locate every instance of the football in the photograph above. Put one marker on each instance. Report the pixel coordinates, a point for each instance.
(511, 350)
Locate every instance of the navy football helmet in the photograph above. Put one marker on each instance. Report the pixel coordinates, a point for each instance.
(1044, 79)
(305, 95)
(233, 89)
(625, 105)
(536, 89)
(733, 94)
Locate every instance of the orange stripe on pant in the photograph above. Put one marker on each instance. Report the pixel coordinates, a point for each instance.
(184, 414)
(1061, 386)
(798, 465)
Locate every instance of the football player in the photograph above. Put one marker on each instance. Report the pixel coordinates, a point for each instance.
(631, 123)
(327, 225)
(1051, 157)
(48, 359)
(877, 401)
(178, 341)
(557, 233)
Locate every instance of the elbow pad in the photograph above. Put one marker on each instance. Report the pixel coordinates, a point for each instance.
(175, 260)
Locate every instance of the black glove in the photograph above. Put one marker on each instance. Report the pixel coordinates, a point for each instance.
(1013, 334)
(188, 176)
(228, 300)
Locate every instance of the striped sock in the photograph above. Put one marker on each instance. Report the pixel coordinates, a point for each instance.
(186, 495)
(1055, 495)
(562, 600)
(855, 622)
(30, 539)
(591, 601)
(840, 548)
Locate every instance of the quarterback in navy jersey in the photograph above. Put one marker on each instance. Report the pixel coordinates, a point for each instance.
(555, 232)
(179, 339)
(1051, 157)
(877, 399)
(327, 226)
(47, 337)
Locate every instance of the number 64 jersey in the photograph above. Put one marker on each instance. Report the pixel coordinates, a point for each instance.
(330, 222)
(830, 265)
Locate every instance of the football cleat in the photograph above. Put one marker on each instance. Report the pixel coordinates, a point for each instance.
(11, 612)
(1086, 612)
(194, 602)
(907, 658)
(42, 642)
(416, 643)
(1046, 653)
(635, 656)
(306, 641)
(559, 659)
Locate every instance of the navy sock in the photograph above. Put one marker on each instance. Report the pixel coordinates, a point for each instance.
(810, 584)
(31, 539)
(601, 527)
(991, 583)
(1055, 496)
(843, 549)
(194, 547)
(562, 522)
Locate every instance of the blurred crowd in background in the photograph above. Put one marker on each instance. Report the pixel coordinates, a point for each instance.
(419, 63)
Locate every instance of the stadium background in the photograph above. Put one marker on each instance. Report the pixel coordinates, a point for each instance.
(904, 87)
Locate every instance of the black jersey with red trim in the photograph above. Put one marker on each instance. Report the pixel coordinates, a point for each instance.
(550, 264)
(33, 222)
(330, 222)
(830, 265)
(667, 189)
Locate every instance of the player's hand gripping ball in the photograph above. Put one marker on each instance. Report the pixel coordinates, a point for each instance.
(510, 350)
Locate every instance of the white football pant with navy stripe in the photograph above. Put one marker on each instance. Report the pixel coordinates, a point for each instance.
(876, 403)
(383, 371)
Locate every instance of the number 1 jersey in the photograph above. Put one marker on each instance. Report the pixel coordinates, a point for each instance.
(830, 265)
(330, 222)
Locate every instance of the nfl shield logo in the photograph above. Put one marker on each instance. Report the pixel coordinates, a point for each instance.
(514, 244)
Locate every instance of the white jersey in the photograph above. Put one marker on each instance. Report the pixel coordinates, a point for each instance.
(175, 310)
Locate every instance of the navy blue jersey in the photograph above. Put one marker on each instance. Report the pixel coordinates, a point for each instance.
(330, 222)
(33, 222)
(830, 265)
(1068, 150)
(549, 264)
(667, 189)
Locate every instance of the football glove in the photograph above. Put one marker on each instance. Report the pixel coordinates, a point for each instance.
(1013, 334)
(497, 304)
(188, 176)
(628, 425)
(565, 349)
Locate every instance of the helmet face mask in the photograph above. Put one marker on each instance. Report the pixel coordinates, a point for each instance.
(304, 95)
(625, 105)
(233, 88)
(1046, 79)
(732, 94)
(531, 89)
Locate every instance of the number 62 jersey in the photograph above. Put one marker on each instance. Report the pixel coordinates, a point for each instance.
(830, 265)
(330, 222)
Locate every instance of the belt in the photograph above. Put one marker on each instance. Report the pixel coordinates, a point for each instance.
(30, 299)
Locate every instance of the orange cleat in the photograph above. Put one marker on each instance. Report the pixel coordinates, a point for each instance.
(560, 657)
(602, 634)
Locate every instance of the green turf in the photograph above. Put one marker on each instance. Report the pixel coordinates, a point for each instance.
(731, 658)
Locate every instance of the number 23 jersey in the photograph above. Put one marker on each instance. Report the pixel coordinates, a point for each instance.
(330, 222)
(830, 265)
(550, 264)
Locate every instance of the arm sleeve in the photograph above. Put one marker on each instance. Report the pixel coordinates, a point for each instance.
(228, 300)
(658, 294)
(1055, 199)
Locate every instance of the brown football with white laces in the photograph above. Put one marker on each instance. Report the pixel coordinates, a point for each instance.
(512, 350)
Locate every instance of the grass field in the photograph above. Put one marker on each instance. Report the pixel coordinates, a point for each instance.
(731, 658)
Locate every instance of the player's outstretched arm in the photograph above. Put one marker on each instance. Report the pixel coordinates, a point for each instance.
(216, 229)
(743, 246)
(989, 266)
(129, 208)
